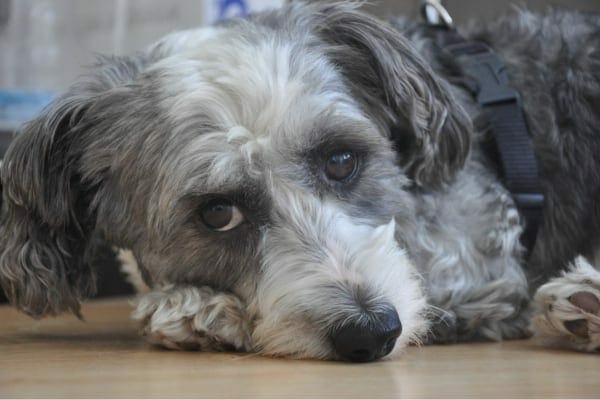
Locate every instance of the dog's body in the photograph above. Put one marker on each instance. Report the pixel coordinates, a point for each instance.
(306, 181)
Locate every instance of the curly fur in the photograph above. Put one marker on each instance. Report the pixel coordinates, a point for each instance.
(250, 110)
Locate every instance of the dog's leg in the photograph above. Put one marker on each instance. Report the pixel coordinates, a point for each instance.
(567, 309)
(187, 317)
(475, 281)
(491, 313)
(194, 318)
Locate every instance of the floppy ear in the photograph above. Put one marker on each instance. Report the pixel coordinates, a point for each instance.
(46, 218)
(42, 237)
(430, 130)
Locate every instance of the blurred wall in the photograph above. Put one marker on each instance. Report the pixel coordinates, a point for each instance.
(46, 42)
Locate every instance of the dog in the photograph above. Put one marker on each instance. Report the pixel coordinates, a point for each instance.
(309, 182)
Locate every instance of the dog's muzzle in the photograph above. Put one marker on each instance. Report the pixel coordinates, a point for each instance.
(367, 339)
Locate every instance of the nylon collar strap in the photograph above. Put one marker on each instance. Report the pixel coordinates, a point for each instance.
(512, 141)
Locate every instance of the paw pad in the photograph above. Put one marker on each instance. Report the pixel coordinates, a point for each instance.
(587, 301)
(578, 327)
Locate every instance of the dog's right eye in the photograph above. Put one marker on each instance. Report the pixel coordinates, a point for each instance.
(221, 215)
(341, 166)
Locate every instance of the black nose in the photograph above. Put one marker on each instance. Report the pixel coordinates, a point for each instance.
(369, 338)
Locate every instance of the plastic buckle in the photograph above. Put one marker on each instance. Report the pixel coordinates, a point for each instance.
(487, 69)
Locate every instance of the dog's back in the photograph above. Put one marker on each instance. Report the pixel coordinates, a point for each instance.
(553, 60)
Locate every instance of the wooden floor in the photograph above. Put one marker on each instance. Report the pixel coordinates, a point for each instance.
(104, 357)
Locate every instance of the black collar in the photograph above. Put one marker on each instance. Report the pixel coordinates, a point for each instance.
(511, 138)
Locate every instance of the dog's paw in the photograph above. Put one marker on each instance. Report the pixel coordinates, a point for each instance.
(194, 318)
(476, 323)
(568, 309)
(495, 311)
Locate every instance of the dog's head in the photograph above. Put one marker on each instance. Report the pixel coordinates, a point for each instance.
(273, 157)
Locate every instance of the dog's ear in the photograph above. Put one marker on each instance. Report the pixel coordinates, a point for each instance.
(430, 130)
(43, 241)
(46, 221)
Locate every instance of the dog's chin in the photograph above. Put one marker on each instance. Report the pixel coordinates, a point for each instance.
(292, 341)
(316, 349)
(304, 342)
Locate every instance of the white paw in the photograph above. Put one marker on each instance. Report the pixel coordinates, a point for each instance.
(568, 309)
(194, 318)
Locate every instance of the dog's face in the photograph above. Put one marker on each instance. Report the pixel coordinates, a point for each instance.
(255, 158)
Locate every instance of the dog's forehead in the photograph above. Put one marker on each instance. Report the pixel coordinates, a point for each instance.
(237, 101)
(260, 83)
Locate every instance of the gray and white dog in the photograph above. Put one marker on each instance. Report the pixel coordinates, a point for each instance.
(251, 171)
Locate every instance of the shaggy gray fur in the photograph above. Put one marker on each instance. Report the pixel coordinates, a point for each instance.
(553, 61)
(129, 155)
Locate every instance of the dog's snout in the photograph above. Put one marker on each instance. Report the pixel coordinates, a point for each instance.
(361, 341)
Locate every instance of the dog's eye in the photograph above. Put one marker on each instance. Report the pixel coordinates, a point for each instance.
(341, 166)
(221, 215)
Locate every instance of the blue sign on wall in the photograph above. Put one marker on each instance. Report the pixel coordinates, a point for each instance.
(232, 8)
(18, 106)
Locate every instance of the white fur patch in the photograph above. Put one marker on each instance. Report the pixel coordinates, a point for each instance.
(317, 267)
(129, 267)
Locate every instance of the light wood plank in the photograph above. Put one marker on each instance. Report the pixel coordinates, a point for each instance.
(104, 357)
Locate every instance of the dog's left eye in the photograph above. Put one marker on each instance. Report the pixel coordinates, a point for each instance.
(341, 166)
(221, 215)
